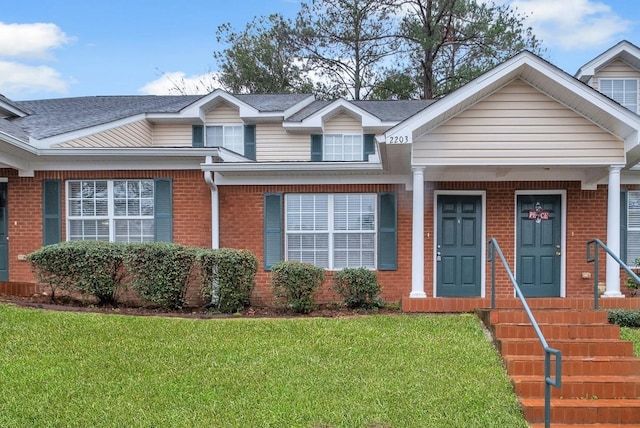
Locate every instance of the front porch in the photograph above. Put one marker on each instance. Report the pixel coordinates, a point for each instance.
(470, 304)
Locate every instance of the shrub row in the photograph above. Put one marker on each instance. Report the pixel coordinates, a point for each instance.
(624, 317)
(294, 285)
(159, 273)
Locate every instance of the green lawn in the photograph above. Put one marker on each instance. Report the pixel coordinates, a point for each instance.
(79, 370)
(632, 334)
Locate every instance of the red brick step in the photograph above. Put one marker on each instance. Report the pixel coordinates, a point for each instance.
(582, 411)
(589, 387)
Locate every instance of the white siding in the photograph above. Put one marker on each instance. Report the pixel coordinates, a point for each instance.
(273, 143)
(171, 135)
(223, 114)
(343, 124)
(137, 134)
(616, 70)
(517, 125)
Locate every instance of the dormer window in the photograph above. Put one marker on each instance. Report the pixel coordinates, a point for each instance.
(230, 137)
(623, 91)
(342, 147)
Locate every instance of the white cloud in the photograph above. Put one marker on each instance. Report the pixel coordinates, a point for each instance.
(573, 24)
(177, 82)
(30, 40)
(16, 78)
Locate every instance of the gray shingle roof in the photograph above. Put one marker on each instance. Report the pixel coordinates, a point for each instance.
(61, 115)
(52, 117)
(13, 130)
(386, 111)
(272, 102)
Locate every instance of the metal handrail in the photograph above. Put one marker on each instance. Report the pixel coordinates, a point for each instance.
(548, 381)
(595, 243)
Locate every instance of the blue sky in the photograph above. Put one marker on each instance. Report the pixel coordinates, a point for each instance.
(65, 48)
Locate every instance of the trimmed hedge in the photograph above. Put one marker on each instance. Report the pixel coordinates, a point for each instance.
(624, 317)
(92, 268)
(358, 287)
(227, 277)
(294, 283)
(160, 272)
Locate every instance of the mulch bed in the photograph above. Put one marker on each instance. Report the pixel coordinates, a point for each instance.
(65, 303)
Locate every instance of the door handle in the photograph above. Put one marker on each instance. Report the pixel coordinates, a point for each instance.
(558, 253)
(438, 256)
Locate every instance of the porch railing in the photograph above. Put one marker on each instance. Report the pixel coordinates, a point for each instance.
(592, 247)
(548, 351)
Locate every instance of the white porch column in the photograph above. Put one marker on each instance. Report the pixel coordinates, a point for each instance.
(613, 233)
(417, 235)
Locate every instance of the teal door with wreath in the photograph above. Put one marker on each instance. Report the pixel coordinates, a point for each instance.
(539, 245)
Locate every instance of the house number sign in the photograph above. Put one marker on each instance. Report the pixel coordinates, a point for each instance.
(398, 139)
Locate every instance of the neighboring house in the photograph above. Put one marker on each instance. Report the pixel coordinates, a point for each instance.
(412, 189)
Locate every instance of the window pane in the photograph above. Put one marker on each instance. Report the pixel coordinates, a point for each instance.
(214, 136)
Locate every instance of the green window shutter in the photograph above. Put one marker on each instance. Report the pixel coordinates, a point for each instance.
(197, 136)
(250, 142)
(273, 241)
(369, 146)
(163, 210)
(623, 226)
(316, 148)
(387, 231)
(51, 212)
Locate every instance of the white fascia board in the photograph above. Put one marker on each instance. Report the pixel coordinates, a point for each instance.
(23, 145)
(141, 152)
(272, 180)
(316, 120)
(109, 164)
(589, 69)
(46, 143)
(299, 106)
(12, 109)
(292, 166)
(197, 109)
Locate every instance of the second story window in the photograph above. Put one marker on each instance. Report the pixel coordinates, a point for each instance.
(228, 136)
(342, 147)
(623, 91)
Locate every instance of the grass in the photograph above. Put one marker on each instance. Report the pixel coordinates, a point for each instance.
(78, 369)
(632, 334)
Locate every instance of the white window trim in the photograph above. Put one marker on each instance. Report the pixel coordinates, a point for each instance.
(623, 79)
(629, 228)
(224, 134)
(330, 228)
(110, 217)
(342, 136)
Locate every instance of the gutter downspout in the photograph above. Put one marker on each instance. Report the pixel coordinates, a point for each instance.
(215, 213)
(215, 225)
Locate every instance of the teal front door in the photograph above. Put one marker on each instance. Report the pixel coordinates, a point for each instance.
(4, 247)
(539, 245)
(459, 246)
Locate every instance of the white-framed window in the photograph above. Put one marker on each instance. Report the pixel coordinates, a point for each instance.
(332, 231)
(623, 91)
(633, 227)
(110, 210)
(342, 147)
(230, 137)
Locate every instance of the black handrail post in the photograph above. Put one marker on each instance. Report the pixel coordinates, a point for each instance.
(596, 280)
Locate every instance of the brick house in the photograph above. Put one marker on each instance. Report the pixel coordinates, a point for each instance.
(526, 153)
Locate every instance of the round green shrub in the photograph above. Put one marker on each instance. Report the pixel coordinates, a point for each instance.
(358, 287)
(294, 283)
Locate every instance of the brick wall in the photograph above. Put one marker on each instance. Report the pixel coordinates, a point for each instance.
(191, 204)
(241, 223)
